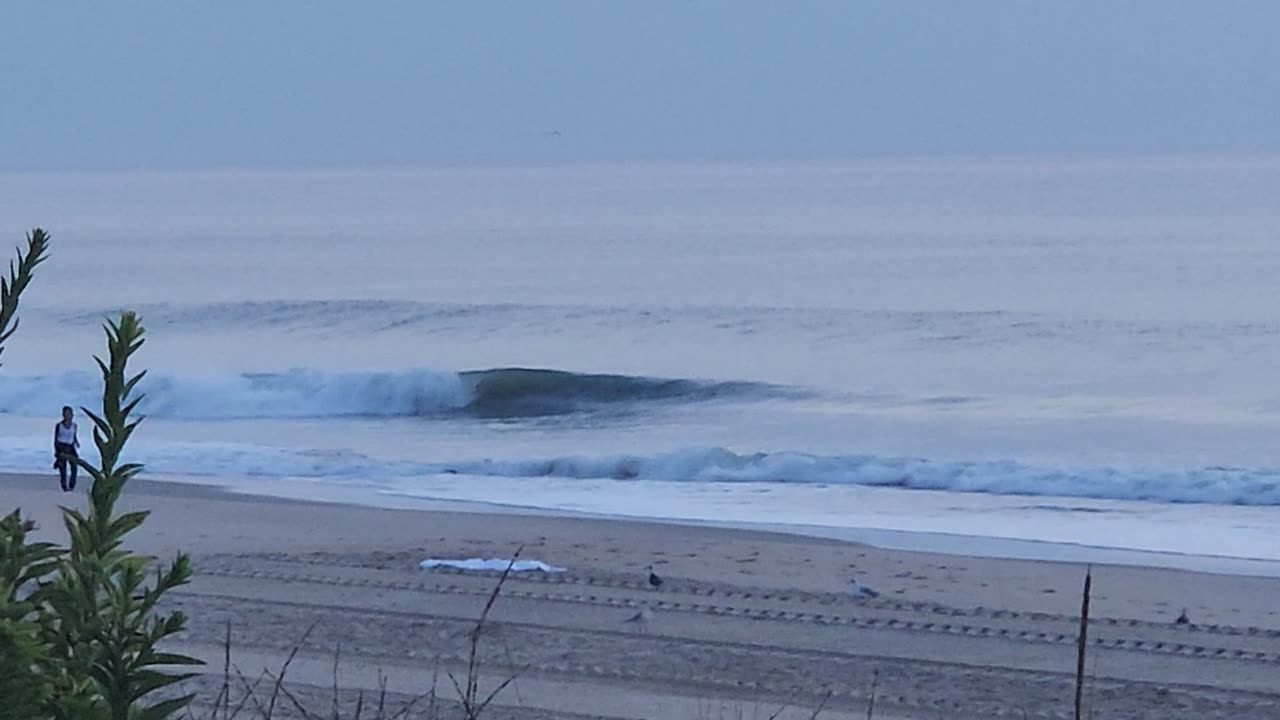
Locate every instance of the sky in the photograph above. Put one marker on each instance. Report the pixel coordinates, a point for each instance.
(287, 83)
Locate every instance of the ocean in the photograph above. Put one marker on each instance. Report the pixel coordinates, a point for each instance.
(1074, 350)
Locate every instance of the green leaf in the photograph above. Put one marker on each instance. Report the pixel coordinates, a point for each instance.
(165, 709)
(172, 659)
(20, 275)
(144, 682)
(128, 522)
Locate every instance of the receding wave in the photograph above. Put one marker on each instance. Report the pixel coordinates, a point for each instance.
(1216, 485)
(302, 393)
(1208, 485)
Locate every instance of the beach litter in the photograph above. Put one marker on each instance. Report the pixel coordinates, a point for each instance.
(498, 564)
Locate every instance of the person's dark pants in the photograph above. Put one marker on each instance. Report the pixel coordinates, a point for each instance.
(67, 457)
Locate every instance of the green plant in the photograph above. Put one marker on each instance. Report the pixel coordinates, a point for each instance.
(82, 622)
(25, 686)
(20, 274)
(100, 615)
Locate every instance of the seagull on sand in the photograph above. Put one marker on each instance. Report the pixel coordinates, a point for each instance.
(655, 582)
(640, 619)
(861, 590)
(1183, 619)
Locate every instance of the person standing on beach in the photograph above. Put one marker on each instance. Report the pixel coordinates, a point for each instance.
(65, 444)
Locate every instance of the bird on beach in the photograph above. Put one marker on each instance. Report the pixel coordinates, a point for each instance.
(640, 619)
(1183, 619)
(862, 590)
(655, 582)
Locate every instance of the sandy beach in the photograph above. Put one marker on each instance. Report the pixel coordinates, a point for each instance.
(746, 623)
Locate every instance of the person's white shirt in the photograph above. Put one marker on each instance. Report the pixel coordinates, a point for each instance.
(66, 434)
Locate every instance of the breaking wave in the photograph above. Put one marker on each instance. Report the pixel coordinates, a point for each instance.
(303, 393)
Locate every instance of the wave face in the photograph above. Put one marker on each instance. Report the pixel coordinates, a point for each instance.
(516, 392)
(302, 393)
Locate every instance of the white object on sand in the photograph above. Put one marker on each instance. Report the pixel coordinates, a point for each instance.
(490, 564)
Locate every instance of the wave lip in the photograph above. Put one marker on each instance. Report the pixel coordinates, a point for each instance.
(307, 393)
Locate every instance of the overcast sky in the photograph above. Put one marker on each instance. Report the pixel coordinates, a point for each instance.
(274, 83)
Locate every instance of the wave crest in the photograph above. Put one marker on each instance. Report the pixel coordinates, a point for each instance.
(305, 393)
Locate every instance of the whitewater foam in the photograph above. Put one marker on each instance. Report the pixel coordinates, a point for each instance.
(706, 466)
(1236, 486)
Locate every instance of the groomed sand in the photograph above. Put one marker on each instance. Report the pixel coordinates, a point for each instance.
(746, 622)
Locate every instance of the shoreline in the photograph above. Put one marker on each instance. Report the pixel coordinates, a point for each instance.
(888, 539)
(240, 521)
(936, 542)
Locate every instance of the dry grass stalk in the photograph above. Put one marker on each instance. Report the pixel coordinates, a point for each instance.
(226, 676)
(288, 695)
(472, 706)
(435, 683)
(821, 706)
(337, 653)
(382, 694)
(1082, 648)
(251, 694)
(871, 704)
(284, 670)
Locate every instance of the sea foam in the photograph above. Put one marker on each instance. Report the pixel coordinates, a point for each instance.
(1214, 485)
